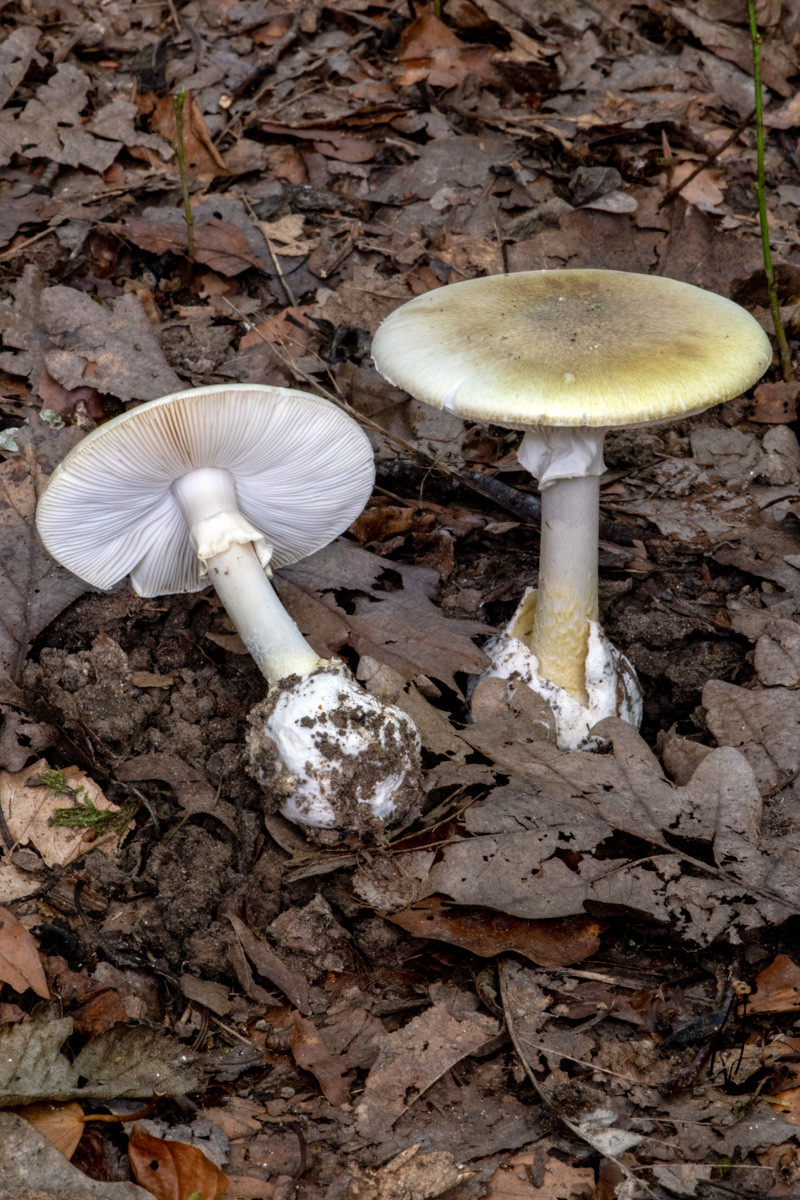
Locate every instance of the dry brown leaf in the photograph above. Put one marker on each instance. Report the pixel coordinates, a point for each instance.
(287, 329)
(776, 403)
(487, 933)
(218, 244)
(201, 156)
(61, 1124)
(28, 810)
(231, 643)
(174, 1170)
(778, 988)
(273, 968)
(51, 125)
(413, 1058)
(408, 1176)
(514, 1180)
(34, 588)
(286, 234)
(777, 59)
(311, 1053)
(20, 965)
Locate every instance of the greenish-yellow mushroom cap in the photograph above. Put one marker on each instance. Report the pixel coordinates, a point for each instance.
(596, 348)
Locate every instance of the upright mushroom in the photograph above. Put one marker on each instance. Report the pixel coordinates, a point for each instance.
(215, 485)
(564, 356)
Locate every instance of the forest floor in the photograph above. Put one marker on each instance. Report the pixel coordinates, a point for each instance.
(574, 976)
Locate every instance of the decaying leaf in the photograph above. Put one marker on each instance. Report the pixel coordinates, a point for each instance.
(20, 965)
(50, 125)
(528, 1175)
(413, 1058)
(777, 987)
(29, 810)
(217, 244)
(405, 630)
(63, 335)
(524, 855)
(267, 963)
(34, 588)
(409, 1176)
(311, 1053)
(172, 1170)
(31, 1166)
(487, 933)
(126, 1060)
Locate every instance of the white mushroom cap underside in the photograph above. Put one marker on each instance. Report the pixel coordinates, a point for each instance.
(571, 348)
(303, 471)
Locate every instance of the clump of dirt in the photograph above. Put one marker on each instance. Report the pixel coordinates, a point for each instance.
(93, 689)
(192, 871)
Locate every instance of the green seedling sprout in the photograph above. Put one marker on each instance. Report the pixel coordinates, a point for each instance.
(772, 285)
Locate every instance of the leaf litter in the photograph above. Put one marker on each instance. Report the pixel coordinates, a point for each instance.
(632, 916)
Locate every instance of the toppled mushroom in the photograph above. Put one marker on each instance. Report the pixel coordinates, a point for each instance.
(215, 485)
(564, 356)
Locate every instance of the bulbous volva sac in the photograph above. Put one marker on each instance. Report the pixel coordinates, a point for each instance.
(565, 356)
(218, 485)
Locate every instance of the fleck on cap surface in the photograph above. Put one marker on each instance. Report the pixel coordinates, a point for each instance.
(571, 348)
(302, 469)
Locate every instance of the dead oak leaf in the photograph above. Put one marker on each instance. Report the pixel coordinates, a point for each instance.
(412, 1059)
(20, 965)
(51, 126)
(62, 336)
(16, 54)
(385, 609)
(110, 346)
(34, 588)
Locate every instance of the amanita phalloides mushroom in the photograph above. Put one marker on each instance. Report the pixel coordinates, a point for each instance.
(217, 485)
(565, 356)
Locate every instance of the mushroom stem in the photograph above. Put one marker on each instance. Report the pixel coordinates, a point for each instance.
(236, 554)
(567, 596)
(276, 645)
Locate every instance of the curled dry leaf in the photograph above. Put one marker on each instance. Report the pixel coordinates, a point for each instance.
(20, 965)
(172, 1170)
(267, 963)
(201, 156)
